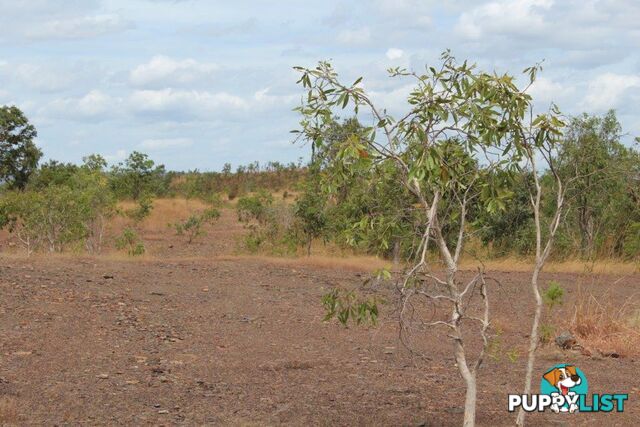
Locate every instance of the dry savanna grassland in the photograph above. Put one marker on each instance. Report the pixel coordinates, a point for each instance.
(204, 333)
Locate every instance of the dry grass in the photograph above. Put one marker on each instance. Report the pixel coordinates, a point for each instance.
(606, 328)
(569, 266)
(353, 263)
(167, 211)
(8, 411)
(164, 211)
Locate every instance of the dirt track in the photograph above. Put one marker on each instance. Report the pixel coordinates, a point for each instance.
(237, 342)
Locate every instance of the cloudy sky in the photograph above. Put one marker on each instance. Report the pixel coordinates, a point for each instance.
(197, 83)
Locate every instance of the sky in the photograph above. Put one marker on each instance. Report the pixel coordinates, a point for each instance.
(196, 84)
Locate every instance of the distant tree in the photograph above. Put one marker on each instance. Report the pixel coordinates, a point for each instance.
(52, 172)
(19, 155)
(310, 214)
(94, 162)
(602, 177)
(138, 176)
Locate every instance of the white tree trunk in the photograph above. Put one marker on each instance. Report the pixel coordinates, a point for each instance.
(533, 339)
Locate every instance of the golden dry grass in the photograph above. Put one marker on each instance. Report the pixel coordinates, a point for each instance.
(164, 211)
(568, 266)
(606, 328)
(354, 263)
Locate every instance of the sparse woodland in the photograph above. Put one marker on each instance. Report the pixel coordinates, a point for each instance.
(469, 173)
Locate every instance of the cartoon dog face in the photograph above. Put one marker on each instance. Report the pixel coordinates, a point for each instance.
(563, 378)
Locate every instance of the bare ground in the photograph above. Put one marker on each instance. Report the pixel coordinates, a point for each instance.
(194, 341)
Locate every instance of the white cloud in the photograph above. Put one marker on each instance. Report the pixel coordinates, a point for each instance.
(394, 53)
(95, 104)
(545, 90)
(503, 16)
(358, 36)
(394, 100)
(160, 144)
(119, 155)
(41, 78)
(163, 70)
(607, 90)
(263, 98)
(79, 27)
(184, 102)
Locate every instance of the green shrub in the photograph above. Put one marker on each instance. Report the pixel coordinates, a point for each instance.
(142, 210)
(192, 226)
(131, 242)
(270, 225)
(552, 295)
(632, 242)
(71, 212)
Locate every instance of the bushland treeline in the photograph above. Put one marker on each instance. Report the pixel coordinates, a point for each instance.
(54, 206)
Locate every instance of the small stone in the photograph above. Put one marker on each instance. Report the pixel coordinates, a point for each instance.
(205, 289)
(566, 340)
(163, 411)
(103, 376)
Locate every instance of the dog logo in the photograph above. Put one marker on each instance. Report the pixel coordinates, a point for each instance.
(563, 389)
(564, 379)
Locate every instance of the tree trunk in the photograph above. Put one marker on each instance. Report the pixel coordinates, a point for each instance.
(469, 378)
(533, 338)
(470, 403)
(396, 253)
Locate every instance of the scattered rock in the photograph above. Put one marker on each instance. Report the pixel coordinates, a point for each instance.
(103, 376)
(163, 411)
(107, 276)
(566, 340)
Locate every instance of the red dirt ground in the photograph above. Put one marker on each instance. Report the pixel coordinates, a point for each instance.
(241, 341)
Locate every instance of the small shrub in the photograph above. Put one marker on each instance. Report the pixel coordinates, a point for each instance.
(547, 333)
(130, 241)
(552, 296)
(631, 245)
(192, 226)
(143, 210)
(345, 305)
(513, 355)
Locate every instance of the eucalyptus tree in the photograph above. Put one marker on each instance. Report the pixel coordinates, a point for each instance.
(19, 155)
(601, 168)
(464, 134)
